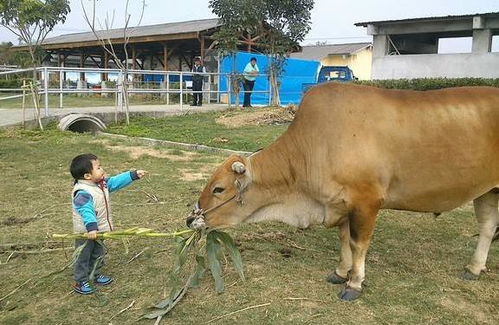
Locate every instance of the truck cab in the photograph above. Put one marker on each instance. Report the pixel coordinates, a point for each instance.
(331, 73)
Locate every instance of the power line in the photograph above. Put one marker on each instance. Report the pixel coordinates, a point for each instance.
(333, 38)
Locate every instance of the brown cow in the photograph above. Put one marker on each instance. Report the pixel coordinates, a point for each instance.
(353, 150)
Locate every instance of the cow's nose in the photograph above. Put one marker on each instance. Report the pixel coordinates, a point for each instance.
(189, 221)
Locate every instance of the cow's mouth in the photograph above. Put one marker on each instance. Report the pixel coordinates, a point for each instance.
(196, 220)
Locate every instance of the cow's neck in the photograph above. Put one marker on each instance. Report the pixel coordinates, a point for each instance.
(274, 187)
(272, 167)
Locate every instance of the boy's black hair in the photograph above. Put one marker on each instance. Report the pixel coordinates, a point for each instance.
(253, 59)
(81, 164)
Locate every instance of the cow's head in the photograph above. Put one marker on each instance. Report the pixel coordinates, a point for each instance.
(222, 200)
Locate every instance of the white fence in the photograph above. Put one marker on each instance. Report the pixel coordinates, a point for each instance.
(172, 86)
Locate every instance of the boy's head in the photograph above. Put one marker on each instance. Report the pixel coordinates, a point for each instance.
(86, 167)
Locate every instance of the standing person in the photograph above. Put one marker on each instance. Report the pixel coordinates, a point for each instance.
(197, 82)
(250, 72)
(92, 214)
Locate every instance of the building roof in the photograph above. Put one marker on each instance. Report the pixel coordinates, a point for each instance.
(318, 52)
(427, 19)
(184, 27)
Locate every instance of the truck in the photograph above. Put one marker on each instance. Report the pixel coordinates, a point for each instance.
(338, 73)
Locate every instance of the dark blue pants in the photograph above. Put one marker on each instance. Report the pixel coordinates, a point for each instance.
(91, 256)
(197, 85)
(248, 88)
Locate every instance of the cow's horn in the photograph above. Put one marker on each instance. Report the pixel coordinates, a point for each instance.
(238, 167)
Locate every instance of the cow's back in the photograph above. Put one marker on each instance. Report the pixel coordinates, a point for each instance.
(430, 151)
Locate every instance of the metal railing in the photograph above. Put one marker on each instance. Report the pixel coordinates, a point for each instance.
(169, 85)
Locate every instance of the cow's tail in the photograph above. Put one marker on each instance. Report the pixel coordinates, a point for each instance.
(496, 235)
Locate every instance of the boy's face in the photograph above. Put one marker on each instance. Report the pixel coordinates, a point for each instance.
(97, 173)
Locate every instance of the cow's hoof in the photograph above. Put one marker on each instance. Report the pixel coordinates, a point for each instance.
(467, 275)
(349, 294)
(334, 278)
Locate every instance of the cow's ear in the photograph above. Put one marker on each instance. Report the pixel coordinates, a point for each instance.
(238, 167)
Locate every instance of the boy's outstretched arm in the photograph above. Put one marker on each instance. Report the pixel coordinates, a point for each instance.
(83, 203)
(122, 180)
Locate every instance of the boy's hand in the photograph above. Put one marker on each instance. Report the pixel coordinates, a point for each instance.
(92, 234)
(141, 173)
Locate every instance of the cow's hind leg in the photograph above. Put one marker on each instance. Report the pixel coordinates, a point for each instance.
(361, 225)
(487, 214)
(340, 275)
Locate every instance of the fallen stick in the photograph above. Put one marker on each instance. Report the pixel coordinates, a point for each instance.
(308, 299)
(14, 291)
(237, 311)
(133, 258)
(123, 310)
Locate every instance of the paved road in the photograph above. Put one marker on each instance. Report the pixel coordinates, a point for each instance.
(10, 117)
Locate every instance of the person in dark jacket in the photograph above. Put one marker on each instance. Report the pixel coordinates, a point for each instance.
(197, 82)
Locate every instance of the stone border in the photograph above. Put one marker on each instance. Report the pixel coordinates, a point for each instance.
(177, 145)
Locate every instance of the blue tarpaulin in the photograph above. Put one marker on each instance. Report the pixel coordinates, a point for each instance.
(296, 72)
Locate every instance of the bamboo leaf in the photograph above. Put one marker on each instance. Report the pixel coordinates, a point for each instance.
(199, 272)
(213, 252)
(234, 253)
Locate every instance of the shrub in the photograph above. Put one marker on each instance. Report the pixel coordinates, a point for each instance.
(11, 83)
(429, 83)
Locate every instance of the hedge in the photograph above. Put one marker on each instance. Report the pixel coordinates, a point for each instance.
(429, 83)
(11, 83)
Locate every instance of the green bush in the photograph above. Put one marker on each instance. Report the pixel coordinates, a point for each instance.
(429, 83)
(11, 83)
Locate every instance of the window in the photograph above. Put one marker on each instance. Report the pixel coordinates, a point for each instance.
(448, 45)
(495, 43)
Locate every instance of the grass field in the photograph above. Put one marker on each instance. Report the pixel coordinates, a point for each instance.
(412, 264)
(92, 100)
(203, 129)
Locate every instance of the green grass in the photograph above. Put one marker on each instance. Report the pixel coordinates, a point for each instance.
(202, 129)
(411, 266)
(71, 100)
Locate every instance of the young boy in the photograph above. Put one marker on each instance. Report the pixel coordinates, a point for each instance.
(92, 214)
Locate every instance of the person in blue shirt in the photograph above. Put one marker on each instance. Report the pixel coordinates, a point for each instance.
(92, 214)
(249, 76)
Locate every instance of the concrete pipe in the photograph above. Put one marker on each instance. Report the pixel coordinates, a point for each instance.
(81, 123)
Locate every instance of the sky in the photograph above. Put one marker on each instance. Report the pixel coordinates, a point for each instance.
(332, 20)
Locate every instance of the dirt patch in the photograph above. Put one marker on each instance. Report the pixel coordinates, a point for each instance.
(190, 175)
(458, 305)
(12, 221)
(271, 116)
(136, 152)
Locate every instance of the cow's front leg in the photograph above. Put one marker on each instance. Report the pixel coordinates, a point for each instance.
(361, 226)
(340, 275)
(488, 218)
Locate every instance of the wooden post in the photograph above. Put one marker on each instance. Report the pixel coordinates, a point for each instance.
(103, 65)
(134, 58)
(82, 65)
(202, 48)
(165, 56)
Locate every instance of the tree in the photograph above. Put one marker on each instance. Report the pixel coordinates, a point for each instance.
(31, 21)
(277, 26)
(107, 44)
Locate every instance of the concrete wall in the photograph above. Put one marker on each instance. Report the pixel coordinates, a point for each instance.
(360, 62)
(478, 65)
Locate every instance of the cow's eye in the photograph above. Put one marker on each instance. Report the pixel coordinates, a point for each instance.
(218, 190)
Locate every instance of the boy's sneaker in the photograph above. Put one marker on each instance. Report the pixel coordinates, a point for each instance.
(103, 280)
(83, 288)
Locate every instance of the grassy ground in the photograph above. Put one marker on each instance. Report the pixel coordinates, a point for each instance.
(203, 129)
(411, 266)
(83, 101)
